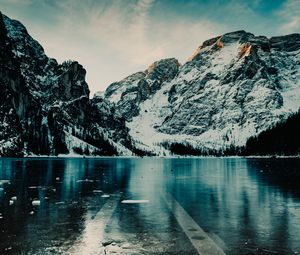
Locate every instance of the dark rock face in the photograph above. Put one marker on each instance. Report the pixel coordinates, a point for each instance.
(45, 107)
(13, 94)
(71, 82)
(286, 43)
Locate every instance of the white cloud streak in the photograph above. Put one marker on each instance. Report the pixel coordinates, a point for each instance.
(290, 12)
(117, 38)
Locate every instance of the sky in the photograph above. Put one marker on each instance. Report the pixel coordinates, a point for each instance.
(115, 38)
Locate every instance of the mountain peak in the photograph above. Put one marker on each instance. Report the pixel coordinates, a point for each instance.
(222, 41)
(287, 42)
(163, 69)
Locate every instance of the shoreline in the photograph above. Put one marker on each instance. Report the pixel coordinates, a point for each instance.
(149, 157)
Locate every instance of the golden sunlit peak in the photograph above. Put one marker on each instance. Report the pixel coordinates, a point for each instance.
(208, 43)
(219, 43)
(195, 53)
(245, 50)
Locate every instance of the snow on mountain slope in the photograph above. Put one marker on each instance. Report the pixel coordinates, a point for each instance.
(233, 87)
(134, 89)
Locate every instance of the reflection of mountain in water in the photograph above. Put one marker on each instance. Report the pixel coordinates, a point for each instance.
(278, 173)
(243, 204)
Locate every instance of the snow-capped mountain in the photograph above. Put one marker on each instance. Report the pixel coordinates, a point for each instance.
(45, 107)
(232, 88)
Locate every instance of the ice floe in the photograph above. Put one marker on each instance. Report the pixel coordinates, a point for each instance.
(36, 202)
(135, 201)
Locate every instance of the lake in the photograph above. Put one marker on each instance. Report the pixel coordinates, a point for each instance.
(149, 206)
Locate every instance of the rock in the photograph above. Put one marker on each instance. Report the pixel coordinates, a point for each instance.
(107, 242)
(134, 89)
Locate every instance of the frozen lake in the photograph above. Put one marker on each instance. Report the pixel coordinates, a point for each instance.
(150, 206)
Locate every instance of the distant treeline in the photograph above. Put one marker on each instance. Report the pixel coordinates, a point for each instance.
(187, 149)
(282, 139)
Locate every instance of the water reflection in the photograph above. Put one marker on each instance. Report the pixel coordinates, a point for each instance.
(232, 199)
(248, 206)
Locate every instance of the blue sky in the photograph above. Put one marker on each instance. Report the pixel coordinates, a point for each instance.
(115, 38)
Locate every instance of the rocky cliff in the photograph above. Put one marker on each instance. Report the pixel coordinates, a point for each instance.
(45, 106)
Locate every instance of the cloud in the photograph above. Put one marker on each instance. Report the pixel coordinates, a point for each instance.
(20, 2)
(117, 38)
(114, 38)
(290, 13)
(292, 24)
(140, 15)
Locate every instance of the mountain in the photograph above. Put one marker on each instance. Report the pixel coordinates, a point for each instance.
(45, 107)
(232, 88)
(129, 93)
(237, 94)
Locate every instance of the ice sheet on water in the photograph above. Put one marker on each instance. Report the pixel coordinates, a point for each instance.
(85, 180)
(36, 202)
(33, 187)
(135, 201)
(4, 182)
(97, 191)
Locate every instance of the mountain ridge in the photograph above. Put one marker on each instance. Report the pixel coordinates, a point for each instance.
(234, 87)
(49, 103)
